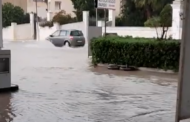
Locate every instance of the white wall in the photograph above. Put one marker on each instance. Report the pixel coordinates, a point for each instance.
(17, 32)
(23, 32)
(44, 32)
(135, 31)
(77, 25)
(7, 33)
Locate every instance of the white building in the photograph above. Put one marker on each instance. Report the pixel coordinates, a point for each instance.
(55, 6)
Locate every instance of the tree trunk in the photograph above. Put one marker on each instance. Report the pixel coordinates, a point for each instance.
(148, 12)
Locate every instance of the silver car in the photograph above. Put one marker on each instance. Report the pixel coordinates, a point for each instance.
(61, 38)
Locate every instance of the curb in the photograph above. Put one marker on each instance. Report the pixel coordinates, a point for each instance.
(139, 68)
(12, 88)
(144, 69)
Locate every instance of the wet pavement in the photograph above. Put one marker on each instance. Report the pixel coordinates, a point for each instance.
(57, 85)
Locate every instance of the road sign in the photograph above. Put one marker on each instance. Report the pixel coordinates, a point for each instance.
(105, 4)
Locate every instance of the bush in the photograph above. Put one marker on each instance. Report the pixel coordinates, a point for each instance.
(63, 18)
(140, 52)
(46, 24)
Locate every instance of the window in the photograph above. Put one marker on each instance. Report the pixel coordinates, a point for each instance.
(56, 33)
(57, 5)
(63, 33)
(76, 33)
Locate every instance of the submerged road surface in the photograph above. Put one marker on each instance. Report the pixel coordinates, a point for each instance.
(57, 85)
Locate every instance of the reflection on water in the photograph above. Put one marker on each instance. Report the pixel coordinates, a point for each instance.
(57, 85)
(6, 114)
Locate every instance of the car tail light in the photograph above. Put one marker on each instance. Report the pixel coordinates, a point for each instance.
(71, 38)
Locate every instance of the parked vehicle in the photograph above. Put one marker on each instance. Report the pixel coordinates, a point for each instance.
(72, 38)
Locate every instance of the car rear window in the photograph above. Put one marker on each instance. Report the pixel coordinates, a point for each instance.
(76, 33)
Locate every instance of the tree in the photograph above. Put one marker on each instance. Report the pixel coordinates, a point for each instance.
(164, 21)
(63, 18)
(85, 5)
(82, 5)
(152, 7)
(11, 13)
(131, 15)
(145, 4)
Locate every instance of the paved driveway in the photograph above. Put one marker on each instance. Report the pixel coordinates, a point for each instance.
(57, 85)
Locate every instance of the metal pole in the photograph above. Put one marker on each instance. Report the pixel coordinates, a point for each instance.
(96, 17)
(105, 22)
(1, 26)
(36, 11)
(37, 34)
(183, 55)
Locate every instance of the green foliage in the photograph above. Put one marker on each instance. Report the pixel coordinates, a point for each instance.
(164, 21)
(166, 16)
(140, 52)
(131, 15)
(153, 22)
(11, 13)
(137, 12)
(83, 5)
(152, 7)
(86, 5)
(47, 24)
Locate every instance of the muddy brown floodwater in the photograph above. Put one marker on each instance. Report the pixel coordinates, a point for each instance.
(57, 85)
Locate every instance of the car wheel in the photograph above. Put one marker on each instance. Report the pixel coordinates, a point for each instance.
(67, 44)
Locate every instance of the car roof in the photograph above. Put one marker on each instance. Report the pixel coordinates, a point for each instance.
(70, 29)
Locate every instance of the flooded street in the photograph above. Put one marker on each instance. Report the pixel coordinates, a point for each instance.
(57, 85)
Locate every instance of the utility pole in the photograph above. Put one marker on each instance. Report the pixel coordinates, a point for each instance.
(37, 24)
(183, 105)
(105, 14)
(1, 26)
(36, 10)
(96, 16)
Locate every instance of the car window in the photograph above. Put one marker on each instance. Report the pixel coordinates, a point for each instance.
(80, 33)
(56, 33)
(63, 33)
(76, 33)
(67, 33)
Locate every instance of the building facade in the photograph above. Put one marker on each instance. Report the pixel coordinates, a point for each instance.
(49, 9)
(41, 7)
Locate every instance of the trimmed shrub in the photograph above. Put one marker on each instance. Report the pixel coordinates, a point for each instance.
(139, 52)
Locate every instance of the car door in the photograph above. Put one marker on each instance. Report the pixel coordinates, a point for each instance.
(62, 36)
(53, 37)
(59, 40)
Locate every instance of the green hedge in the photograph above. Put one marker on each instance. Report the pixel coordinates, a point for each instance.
(140, 52)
